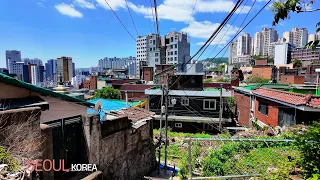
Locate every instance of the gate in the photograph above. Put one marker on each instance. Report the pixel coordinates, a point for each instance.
(68, 143)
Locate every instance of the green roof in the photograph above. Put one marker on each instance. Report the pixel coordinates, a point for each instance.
(44, 92)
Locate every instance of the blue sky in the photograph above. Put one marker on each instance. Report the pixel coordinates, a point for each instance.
(87, 30)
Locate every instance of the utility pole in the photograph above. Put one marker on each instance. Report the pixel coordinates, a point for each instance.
(221, 108)
(166, 126)
(160, 138)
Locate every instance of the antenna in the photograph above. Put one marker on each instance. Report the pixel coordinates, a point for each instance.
(98, 106)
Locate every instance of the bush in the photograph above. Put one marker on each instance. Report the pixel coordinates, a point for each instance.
(256, 79)
(5, 158)
(309, 145)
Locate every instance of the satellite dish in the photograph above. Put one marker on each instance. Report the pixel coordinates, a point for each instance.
(98, 106)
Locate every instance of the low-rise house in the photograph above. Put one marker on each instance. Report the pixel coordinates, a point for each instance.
(191, 107)
(266, 105)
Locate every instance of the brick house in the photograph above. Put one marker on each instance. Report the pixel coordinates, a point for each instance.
(135, 92)
(90, 83)
(264, 71)
(275, 107)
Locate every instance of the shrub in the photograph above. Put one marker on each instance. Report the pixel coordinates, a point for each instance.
(256, 79)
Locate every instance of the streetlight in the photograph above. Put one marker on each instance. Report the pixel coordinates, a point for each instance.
(317, 71)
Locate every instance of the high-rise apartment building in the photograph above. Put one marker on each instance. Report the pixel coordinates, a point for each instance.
(244, 45)
(148, 51)
(51, 69)
(232, 51)
(12, 56)
(297, 37)
(177, 48)
(64, 70)
(269, 35)
(17, 68)
(258, 44)
(35, 61)
(282, 54)
(115, 63)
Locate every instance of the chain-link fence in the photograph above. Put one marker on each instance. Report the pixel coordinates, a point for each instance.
(229, 158)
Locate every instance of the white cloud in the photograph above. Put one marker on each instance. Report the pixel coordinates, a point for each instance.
(263, 26)
(40, 4)
(84, 4)
(115, 4)
(181, 10)
(68, 10)
(204, 30)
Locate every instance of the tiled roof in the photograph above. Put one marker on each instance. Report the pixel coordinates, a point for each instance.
(315, 102)
(288, 97)
(135, 114)
(136, 87)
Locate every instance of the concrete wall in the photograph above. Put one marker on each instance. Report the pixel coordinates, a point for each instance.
(37, 138)
(13, 92)
(243, 105)
(122, 152)
(272, 117)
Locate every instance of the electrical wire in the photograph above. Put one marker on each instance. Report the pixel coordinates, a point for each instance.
(243, 28)
(195, 4)
(120, 21)
(149, 14)
(156, 14)
(132, 18)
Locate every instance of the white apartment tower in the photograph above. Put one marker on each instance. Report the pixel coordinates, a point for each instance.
(232, 51)
(269, 36)
(148, 51)
(244, 45)
(297, 37)
(257, 44)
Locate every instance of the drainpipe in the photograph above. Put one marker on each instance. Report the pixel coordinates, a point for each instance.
(126, 99)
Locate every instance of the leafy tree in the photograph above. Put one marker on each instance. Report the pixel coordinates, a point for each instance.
(309, 145)
(297, 63)
(282, 8)
(107, 93)
(256, 56)
(207, 80)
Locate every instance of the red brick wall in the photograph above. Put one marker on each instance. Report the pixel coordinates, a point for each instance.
(265, 72)
(243, 104)
(287, 79)
(93, 82)
(272, 117)
(261, 62)
(147, 73)
(136, 96)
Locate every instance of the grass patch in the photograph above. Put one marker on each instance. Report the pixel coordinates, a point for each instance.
(156, 132)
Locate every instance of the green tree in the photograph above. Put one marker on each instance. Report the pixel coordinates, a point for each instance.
(207, 80)
(107, 93)
(297, 63)
(282, 8)
(309, 145)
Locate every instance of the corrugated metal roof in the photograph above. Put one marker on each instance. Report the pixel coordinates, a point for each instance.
(44, 92)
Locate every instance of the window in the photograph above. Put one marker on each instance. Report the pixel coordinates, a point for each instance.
(156, 54)
(154, 42)
(175, 53)
(178, 125)
(176, 45)
(156, 59)
(209, 104)
(171, 46)
(168, 59)
(185, 101)
(171, 53)
(171, 39)
(171, 59)
(154, 48)
(286, 117)
(150, 49)
(168, 53)
(175, 58)
(263, 108)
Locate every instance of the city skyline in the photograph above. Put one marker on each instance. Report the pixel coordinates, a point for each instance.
(93, 32)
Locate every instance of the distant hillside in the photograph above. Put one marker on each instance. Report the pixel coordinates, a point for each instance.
(217, 60)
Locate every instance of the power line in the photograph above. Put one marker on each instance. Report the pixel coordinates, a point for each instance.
(230, 26)
(150, 15)
(132, 18)
(243, 28)
(120, 21)
(211, 37)
(156, 13)
(155, 29)
(195, 4)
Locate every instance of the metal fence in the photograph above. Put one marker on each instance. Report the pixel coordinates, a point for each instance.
(240, 158)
